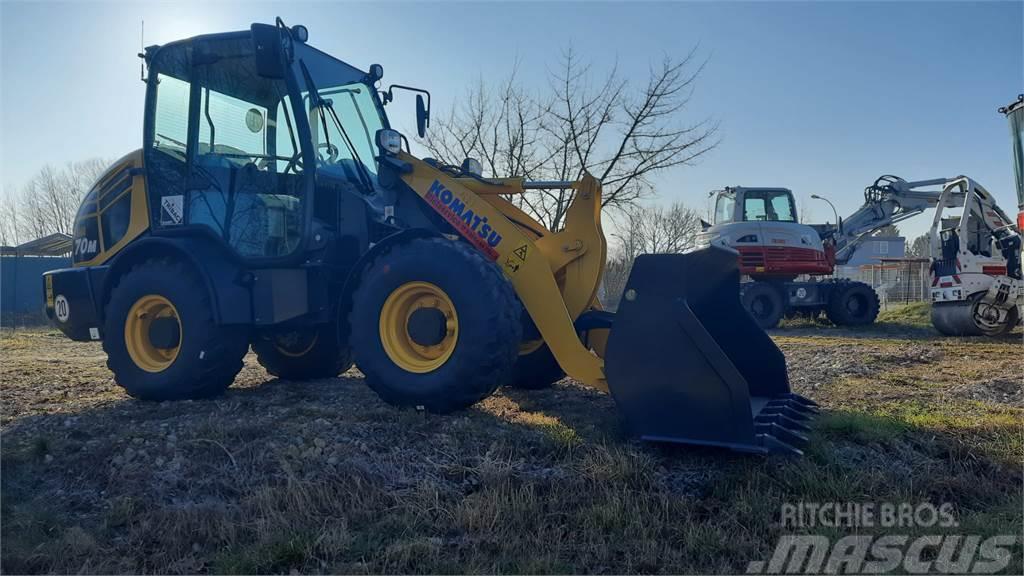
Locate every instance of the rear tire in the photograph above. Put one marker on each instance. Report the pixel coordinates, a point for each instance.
(852, 304)
(462, 347)
(304, 354)
(763, 302)
(537, 370)
(206, 357)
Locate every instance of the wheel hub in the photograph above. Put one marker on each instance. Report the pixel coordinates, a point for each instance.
(152, 333)
(419, 327)
(427, 326)
(761, 307)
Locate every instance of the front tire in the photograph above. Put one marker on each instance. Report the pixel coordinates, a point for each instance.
(763, 301)
(304, 353)
(161, 339)
(434, 325)
(852, 304)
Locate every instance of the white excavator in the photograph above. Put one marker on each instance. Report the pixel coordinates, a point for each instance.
(775, 249)
(976, 283)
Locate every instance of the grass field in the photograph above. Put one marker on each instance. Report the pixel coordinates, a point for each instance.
(322, 476)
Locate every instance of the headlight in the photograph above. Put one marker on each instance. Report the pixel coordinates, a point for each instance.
(389, 141)
(472, 166)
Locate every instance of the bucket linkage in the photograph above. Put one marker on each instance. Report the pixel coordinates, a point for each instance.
(687, 364)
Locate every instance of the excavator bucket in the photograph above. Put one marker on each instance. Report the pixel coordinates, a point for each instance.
(687, 364)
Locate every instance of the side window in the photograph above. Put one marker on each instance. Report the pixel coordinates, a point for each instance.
(724, 207)
(171, 120)
(782, 209)
(754, 209)
(231, 127)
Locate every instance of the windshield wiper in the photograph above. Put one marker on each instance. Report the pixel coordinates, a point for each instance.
(320, 103)
(364, 173)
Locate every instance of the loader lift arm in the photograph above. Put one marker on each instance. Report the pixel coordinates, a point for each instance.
(684, 361)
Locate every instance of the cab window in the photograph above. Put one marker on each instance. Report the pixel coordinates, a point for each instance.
(724, 207)
(223, 151)
(768, 206)
(754, 208)
(171, 120)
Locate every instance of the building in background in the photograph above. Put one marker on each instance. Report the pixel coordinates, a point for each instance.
(872, 251)
(21, 277)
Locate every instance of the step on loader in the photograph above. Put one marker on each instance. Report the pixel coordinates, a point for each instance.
(273, 206)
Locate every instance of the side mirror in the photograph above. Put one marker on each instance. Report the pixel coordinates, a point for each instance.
(269, 54)
(422, 116)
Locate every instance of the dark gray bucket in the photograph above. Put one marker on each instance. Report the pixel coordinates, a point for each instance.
(687, 364)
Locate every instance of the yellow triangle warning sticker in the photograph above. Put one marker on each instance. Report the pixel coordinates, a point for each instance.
(520, 252)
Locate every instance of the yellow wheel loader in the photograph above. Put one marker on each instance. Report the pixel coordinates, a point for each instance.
(273, 205)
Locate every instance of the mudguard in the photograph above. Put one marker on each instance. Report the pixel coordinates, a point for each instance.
(687, 364)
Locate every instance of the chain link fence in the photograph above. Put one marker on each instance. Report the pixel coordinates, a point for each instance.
(896, 280)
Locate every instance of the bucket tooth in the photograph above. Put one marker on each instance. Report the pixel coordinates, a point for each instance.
(687, 364)
(788, 412)
(783, 420)
(783, 434)
(774, 445)
(801, 400)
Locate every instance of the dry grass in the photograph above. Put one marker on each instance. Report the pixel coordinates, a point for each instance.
(323, 477)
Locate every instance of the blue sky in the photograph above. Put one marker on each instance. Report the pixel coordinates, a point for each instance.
(820, 97)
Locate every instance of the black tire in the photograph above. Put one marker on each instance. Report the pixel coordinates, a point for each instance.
(208, 357)
(536, 370)
(763, 301)
(304, 354)
(852, 304)
(488, 336)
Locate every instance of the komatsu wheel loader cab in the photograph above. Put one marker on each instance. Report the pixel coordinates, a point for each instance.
(271, 205)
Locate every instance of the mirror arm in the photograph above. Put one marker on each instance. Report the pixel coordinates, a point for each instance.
(389, 95)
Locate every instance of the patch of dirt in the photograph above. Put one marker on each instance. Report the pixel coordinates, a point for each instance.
(995, 390)
(322, 476)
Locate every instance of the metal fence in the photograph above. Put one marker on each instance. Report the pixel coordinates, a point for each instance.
(21, 288)
(896, 280)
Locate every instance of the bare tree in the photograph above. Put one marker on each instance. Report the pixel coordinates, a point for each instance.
(9, 219)
(886, 231)
(621, 135)
(920, 247)
(48, 202)
(648, 230)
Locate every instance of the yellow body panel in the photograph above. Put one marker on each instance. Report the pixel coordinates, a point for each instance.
(485, 226)
(139, 220)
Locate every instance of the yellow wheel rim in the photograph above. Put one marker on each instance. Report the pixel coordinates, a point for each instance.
(292, 344)
(136, 333)
(394, 327)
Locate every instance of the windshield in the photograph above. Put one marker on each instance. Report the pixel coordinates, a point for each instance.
(344, 116)
(343, 130)
(769, 206)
